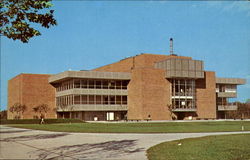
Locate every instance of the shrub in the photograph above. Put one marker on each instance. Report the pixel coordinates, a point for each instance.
(37, 121)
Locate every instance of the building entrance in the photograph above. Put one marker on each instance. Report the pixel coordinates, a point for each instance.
(110, 116)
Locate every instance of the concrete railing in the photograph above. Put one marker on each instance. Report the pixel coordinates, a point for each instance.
(94, 107)
(89, 74)
(184, 109)
(227, 107)
(92, 92)
(227, 94)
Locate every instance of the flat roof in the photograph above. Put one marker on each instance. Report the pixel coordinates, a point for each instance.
(230, 80)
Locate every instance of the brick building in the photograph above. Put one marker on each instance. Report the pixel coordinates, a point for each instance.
(146, 86)
(31, 90)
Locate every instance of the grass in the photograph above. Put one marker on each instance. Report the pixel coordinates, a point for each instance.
(226, 147)
(163, 127)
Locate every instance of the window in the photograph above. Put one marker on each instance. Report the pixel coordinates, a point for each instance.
(91, 99)
(98, 84)
(105, 84)
(84, 83)
(106, 99)
(84, 99)
(118, 85)
(112, 99)
(112, 85)
(77, 83)
(124, 99)
(91, 84)
(98, 99)
(118, 99)
(124, 84)
(183, 93)
(77, 99)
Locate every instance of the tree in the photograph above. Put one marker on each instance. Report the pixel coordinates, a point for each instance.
(242, 112)
(70, 109)
(19, 109)
(42, 109)
(172, 114)
(3, 114)
(16, 16)
(63, 106)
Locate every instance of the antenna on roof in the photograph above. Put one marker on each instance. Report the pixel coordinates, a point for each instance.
(171, 46)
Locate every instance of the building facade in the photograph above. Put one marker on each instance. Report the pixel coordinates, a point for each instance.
(146, 86)
(31, 90)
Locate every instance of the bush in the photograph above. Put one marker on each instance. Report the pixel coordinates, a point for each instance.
(37, 121)
(3, 114)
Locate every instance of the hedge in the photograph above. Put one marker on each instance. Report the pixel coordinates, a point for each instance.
(37, 121)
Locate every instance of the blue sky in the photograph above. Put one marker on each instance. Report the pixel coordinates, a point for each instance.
(93, 34)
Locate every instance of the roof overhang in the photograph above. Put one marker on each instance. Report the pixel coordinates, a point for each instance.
(230, 81)
(181, 68)
(89, 74)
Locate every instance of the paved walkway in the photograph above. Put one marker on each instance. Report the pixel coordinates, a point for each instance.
(16, 143)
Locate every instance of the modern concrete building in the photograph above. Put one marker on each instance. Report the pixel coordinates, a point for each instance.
(146, 86)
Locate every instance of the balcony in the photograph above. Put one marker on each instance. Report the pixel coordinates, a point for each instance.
(227, 107)
(94, 107)
(184, 109)
(227, 94)
(92, 92)
(182, 95)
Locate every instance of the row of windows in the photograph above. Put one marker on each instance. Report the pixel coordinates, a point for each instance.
(224, 101)
(183, 87)
(182, 93)
(183, 103)
(90, 99)
(226, 87)
(92, 84)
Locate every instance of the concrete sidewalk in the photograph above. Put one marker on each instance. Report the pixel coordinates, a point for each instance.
(19, 143)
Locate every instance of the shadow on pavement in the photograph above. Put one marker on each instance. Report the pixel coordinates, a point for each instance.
(33, 137)
(110, 149)
(15, 131)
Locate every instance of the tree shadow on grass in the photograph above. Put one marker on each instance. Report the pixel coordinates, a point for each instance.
(33, 137)
(110, 149)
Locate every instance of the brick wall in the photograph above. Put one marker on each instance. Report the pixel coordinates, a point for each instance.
(31, 90)
(148, 90)
(139, 61)
(148, 94)
(14, 93)
(206, 96)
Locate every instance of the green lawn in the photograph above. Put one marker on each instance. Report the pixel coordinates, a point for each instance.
(226, 147)
(164, 127)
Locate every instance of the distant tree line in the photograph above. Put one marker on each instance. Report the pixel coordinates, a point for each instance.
(243, 112)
